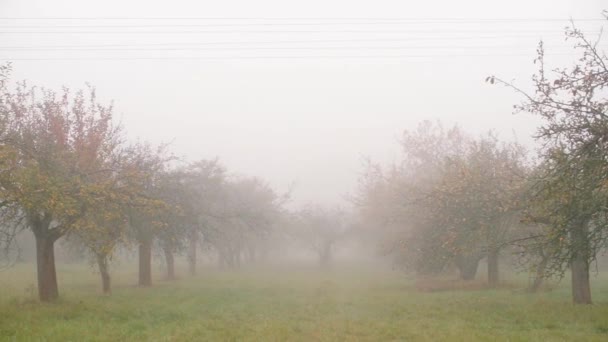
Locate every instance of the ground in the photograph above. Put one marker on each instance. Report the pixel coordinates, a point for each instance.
(292, 304)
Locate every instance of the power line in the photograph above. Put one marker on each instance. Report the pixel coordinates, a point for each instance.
(393, 23)
(375, 40)
(444, 42)
(270, 57)
(380, 47)
(272, 31)
(439, 43)
(427, 19)
(103, 46)
(446, 35)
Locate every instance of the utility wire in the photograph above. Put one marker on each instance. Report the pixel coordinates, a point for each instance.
(269, 57)
(445, 19)
(443, 34)
(375, 40)
(275, 48)
(391, 23)
(273, 31)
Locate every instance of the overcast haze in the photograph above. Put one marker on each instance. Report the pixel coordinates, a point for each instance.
(301, 107)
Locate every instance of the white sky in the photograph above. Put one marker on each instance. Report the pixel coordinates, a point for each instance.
(306, 120)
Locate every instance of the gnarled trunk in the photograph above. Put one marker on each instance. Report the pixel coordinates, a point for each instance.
(145, 262)
(45, 264)
(493, 273)
(102, 264)
(170, 263)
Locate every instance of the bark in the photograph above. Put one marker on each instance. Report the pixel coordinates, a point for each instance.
(493, 270)
(468, 266)
(581, 288)
(145, 262)
(192, 255)
(45, 263)
(102, 263)
(170, 263)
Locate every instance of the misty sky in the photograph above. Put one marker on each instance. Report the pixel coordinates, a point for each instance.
(300, 91)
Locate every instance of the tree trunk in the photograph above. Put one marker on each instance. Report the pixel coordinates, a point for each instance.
(170, 264)
(539, 276)
(493, 274)
(581, 288)
(45, 263)
(468, 266)
(192, 255)
(145, 262)
(102, 263)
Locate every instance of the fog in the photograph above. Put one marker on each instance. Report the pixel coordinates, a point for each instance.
(318, 170)
(306, 121)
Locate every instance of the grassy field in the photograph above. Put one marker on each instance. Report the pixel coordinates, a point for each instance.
(279, 304)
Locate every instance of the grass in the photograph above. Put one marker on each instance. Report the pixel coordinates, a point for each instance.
(287, 304)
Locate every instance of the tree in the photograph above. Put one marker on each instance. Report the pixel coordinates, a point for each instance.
(143, 170)
(180, 193)
(319, 229)
(245, 213)
(452, 200)
(102, 230)
(100, 233)
(572, 189)
(396, 199)
(482, 196)
(52, 146)
(203, 182)
(174, 234)
(569, 202)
